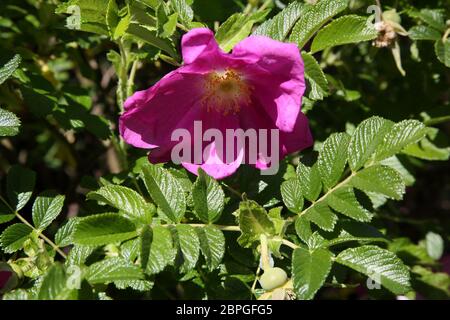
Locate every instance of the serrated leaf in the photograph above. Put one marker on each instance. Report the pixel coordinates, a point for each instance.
(212, 245)
(79, 254)
(63, 236)
(184, 11)
(291, 192)
(46, 208)
(365, 140)
(151, 37)
(20, 184)
(281, 25)
(332, 158)
(424, 33)
(253, 222)
(125, 199)
(236, 28)
(189, 245)
(208, 197)
(4, 218)
(102, 229)
(8, 69)
(139, 285)
(379, 264)
(344, 30)
(54, 284)
(343, 200)
(399, 136)
(303, 228)
(321, 215)
(380, 179)
(310, 181)
(315, 76)
(309, 271)
(395, 163)
(313, 18)
(433, 17)
(426, 150)
(165, 191)
(9, 124)
(14, 236)
(112, 269)
(162, 252)
(442, 50)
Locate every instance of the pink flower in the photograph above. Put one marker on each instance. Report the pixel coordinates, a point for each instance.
(258, 86)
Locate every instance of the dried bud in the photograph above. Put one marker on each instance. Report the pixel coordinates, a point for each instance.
(386, 34)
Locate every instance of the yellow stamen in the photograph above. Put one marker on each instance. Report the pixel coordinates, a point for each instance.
(226, 92)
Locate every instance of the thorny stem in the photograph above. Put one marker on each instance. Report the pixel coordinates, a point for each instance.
(41, 235)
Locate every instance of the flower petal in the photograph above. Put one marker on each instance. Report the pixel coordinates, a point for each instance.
(276, 72)
(152, 115)
(214, 165)
(198, 42)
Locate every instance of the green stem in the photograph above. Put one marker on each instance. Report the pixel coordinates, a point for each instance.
(39, 233)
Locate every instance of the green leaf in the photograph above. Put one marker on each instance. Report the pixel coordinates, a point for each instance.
(212, 245)
(321, 215)
(162, 252)
(344, 30)
(365, 139)
(112, 269)
(165, 191)
(426, 150)
(101, 229)
(309, 271)
(145, 241)
(112, 16)
(303, 228)
(253, 222)
(379, 264)
(424, 33)
(343, 200)
(9, 124)
(433, 17)
(208, 197)
(54, 285)
(281, 25)
(435, 245)
(380, 179)
(4, 218)
(79, 254)
(184, 11)
(125, 199)
(63, 236)
(189, 245)
(8, 69)
(332, 158)
(313, 18)
(20, 184)
(150, 36)
(236, 28)
(291, 192)
(442, 50)
(399, 136)
(315, 76)
(310, 181)
(46, 208)
(92, 14)
(14, 236)
(165, 24)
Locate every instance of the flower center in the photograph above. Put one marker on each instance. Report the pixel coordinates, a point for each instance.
(225, 92)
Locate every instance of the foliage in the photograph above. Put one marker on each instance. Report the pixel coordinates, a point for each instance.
(84, 217)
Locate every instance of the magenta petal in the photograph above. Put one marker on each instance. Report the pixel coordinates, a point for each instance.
(198, 42)
(215, 166)
(152, 115)
(276, 71)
